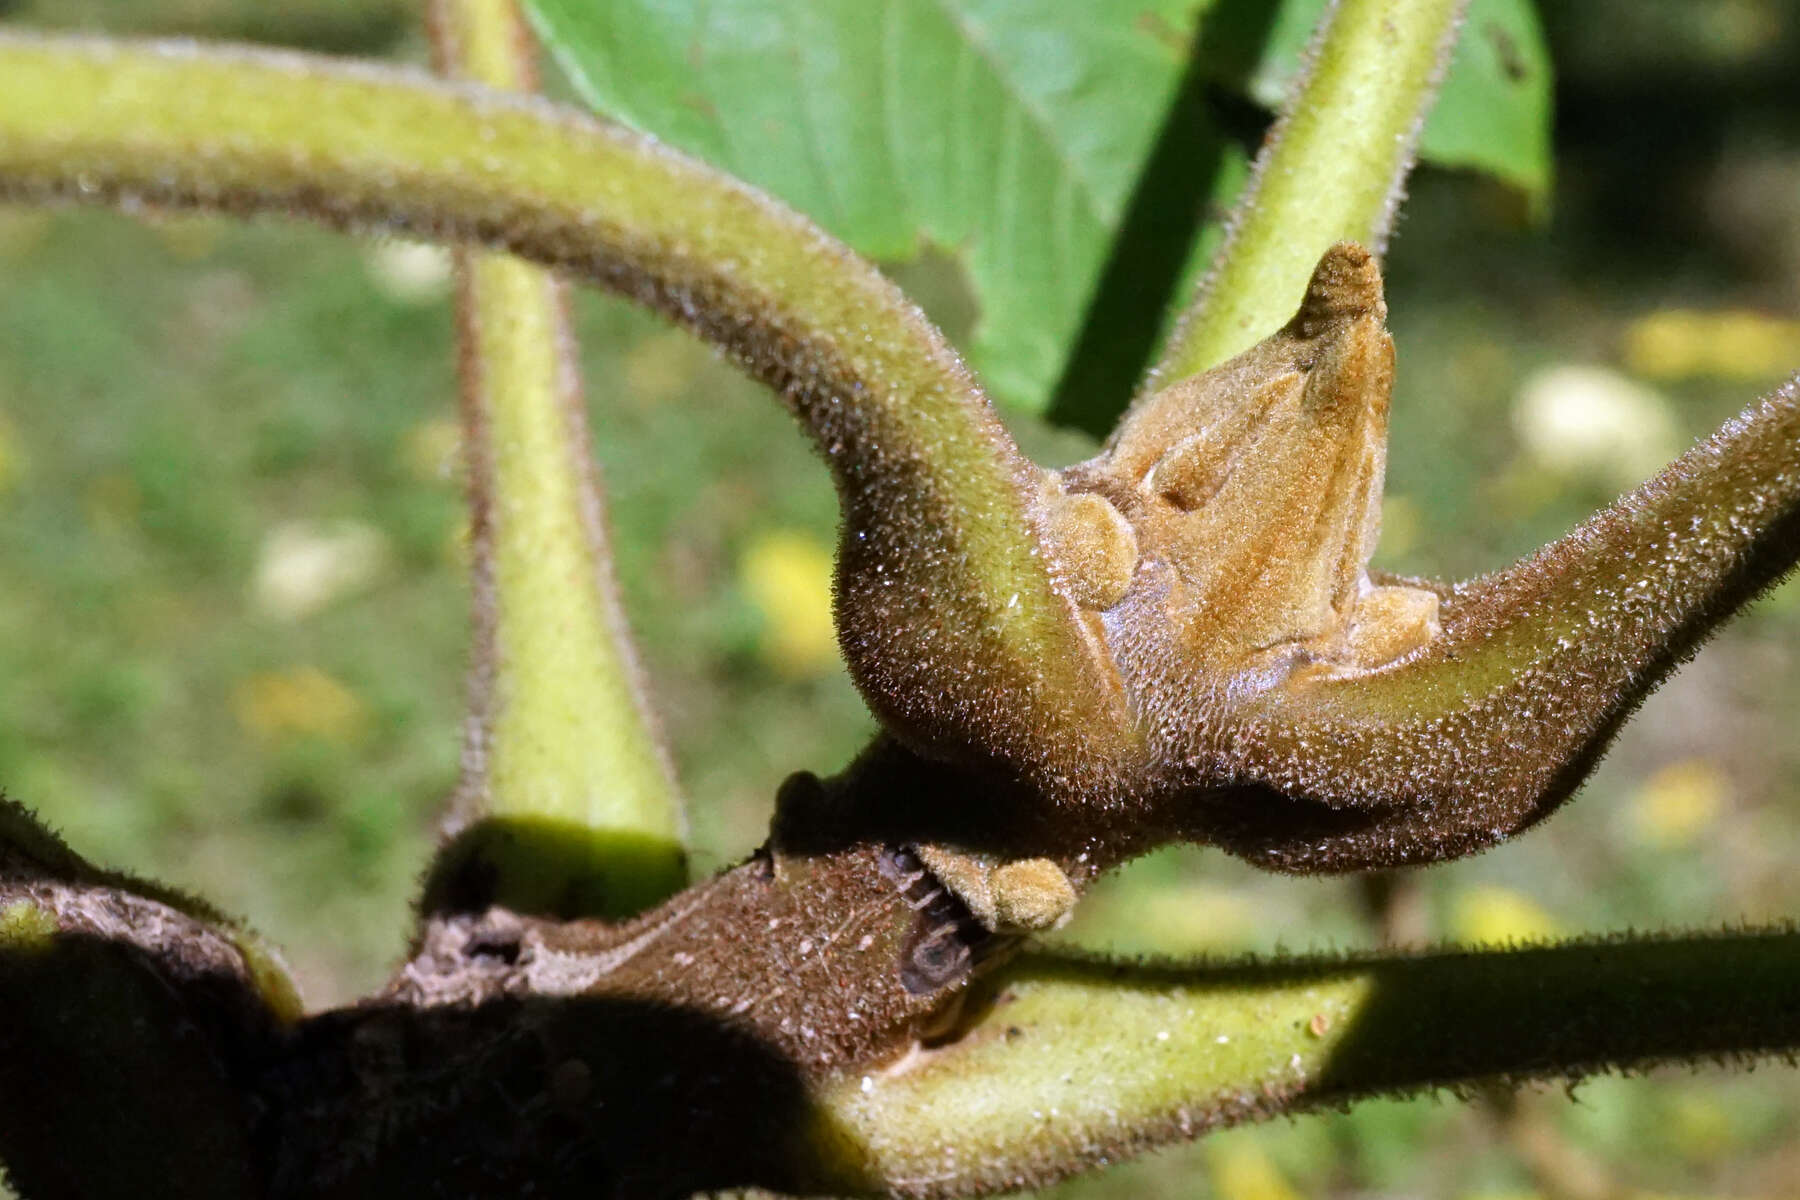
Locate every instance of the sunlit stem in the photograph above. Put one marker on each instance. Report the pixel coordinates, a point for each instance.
(567, 799)
(1331, 170)
(1079, 1063)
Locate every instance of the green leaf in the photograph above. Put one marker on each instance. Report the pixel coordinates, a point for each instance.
(1492, 113)
(1013, 134)
(1022, 137)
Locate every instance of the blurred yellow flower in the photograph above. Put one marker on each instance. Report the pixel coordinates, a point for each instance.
(1497, 916)
(1679, 803)
(1238, 1169)
(1700, 1128)
(299, 701)
(1732, 344)
(786, 574)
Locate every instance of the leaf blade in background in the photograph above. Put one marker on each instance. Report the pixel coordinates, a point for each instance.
(1015, 136)
(1012, 136)
(1493, 113)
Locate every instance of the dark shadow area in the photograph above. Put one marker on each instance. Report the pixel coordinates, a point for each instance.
(543, 867)
(891, 796)
(123, 1076)
(1453, 1018)
(1644, 126)
(1643, 120)
(591, 1097)
(1169, 204)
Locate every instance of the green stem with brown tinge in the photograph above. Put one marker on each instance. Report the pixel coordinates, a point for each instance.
(1330, 171)
(1076, 1063)
(941, 557)
(568, 803)
(1486, 729)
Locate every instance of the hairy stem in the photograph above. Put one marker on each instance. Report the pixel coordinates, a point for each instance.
(573, 803)
(1330, 171)
(1488, 728)
(939, 539)
(1076, 1063)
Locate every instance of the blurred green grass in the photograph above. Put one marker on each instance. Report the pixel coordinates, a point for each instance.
(190, 408)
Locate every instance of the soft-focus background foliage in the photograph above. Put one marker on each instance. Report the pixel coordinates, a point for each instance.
(232, 627)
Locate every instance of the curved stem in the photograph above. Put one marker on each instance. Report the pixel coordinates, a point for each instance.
(940, 546)
(1495, 722)
(1077, 1063)
(1331, 171)
(573, 802)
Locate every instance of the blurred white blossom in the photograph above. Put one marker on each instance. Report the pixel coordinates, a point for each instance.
(1592, 421)
(410, 272)
(303, 566)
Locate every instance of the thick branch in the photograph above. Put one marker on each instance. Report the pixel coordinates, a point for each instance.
(672, 1054)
